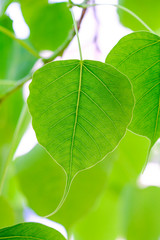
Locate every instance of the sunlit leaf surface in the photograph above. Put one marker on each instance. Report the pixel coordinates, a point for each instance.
(137, 56)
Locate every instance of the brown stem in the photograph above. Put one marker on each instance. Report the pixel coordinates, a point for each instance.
(61, 49)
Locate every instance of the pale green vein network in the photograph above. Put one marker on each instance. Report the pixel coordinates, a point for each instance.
(145, 79)
(84, 132)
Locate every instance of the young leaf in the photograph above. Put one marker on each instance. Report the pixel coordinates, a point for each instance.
(148, 11)
(80, 112)
(55, 19)
(30, 231)
(137, 56)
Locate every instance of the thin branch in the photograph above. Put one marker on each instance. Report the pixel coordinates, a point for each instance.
(19, 84)
(21, 42)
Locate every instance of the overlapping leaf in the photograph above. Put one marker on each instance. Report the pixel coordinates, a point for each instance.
(137, 56)
(15, 63)
(30, 231)
(126, 163)
(80, 111)
(84, 191)
(133, 214)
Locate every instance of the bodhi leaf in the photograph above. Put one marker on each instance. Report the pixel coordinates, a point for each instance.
(30, 231)
(6, 213)
(83, 194)
(137, 56)
(55, 19)
(79, 114)
(148, 11)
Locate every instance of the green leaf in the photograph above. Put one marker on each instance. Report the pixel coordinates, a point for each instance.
(137, 56)
(16, 62)
(148, 11)
(9, 113)
(6, 213)
(12, 193)
(130, 159)
(83, 194)
(79, 114)
(140, 213)
(30, 231)
(134, 214)
(55, 19)
(104, 221)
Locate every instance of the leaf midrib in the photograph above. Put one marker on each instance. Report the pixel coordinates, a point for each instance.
(76, 119)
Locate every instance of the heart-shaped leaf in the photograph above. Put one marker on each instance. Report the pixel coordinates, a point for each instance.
(137, 56)
(30, 231)
(80, 111)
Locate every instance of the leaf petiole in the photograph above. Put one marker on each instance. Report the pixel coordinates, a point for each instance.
(77, 34)
(117, 6)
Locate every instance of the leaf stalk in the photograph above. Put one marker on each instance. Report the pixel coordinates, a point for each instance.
(117, 6)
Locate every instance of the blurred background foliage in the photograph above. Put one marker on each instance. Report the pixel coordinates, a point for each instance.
(106, 201)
